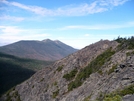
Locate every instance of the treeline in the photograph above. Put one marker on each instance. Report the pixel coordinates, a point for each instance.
(127, 43)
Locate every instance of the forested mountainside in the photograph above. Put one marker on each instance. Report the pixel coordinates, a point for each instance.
(47, 50)
(14, 70)
(103, 71)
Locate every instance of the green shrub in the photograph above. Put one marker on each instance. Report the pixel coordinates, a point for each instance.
(55, 83)
(100, 72)
(113, 98)
(33, 86)
(41, 79)
(125, 43)
(120, 39)
(55, 93)
(112, 69)
(116, 95)
(87, 98)
(130, 53)
(74, 84)
(59, 68)
(71, 75)
(127, 90)
(12, 93)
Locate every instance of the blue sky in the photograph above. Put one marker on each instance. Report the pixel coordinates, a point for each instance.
(77, 23)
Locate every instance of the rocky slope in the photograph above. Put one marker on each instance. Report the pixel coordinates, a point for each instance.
(47, 50)
(100, 71)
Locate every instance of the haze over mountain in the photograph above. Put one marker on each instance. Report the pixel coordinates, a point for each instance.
(42, 50)
(103, 71)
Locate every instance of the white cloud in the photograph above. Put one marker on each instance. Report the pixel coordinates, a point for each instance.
(9, 34)
(10, 30)
(100, 26)
(118, 2)
(70, 10)
(86, 35)
(13, 18)
(34, 9)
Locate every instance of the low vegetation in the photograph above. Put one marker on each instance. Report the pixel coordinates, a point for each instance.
(87, 98)
(74, 84)
(117, 95)
(112, 69)
(55, 83)
(94, 66)
(127, 90)
(59, 68)
(130, 53)
(71, 75)
(55, 93)
(125, 43)
(113, 98)
(100, 72)
(14, 95)
(41, 79)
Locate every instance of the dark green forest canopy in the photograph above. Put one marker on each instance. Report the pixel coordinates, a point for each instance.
(14, 70)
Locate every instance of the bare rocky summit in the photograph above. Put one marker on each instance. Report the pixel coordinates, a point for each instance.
(100, 71)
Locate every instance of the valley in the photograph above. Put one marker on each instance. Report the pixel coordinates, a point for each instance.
(14, 70)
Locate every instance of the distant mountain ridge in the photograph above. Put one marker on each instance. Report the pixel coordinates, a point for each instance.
(42, 50)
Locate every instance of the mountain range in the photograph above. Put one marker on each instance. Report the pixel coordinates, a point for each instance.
(103, 71)
(42, 50)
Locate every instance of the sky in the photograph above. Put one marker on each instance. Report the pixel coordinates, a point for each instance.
(77, 23)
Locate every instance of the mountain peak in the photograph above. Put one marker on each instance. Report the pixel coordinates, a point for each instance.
(43, 50)
(47, 40)
(57, 41)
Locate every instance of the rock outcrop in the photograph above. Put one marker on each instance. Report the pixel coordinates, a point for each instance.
(115, 73)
